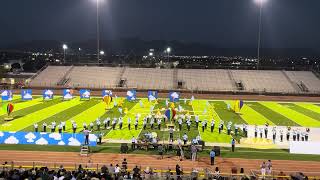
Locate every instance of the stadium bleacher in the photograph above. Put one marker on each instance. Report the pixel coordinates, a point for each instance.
(50, 76)
(147, 78)
(208, 80)
(268, 81)
(94, 77)
(214, 80)
(305, 78)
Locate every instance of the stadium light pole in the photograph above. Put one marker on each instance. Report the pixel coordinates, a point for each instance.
(98, 32)
(64, 47)
(168, 50)
(260, 4)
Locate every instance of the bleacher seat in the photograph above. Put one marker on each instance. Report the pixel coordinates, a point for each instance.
(50, 76)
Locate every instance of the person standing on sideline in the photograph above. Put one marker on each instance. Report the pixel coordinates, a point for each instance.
(160, 150)
(35, 127)
(133, 143)
(212, 156)
(194, 152)
(86, 134)
(233, 144)
(281, 135)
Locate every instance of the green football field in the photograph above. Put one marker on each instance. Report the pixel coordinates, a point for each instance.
(27, 113)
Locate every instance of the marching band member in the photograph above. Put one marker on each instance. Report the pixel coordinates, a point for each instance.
(35, 127)
(129, 123)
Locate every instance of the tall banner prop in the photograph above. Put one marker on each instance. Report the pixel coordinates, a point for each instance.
(10, 108)
(170, 113)
(238, 104)
(6, 95)
(84, 94)
(174, 96)
(152, 95)
(47, 94)
(67, 94)
(26, 94)
(131, 95)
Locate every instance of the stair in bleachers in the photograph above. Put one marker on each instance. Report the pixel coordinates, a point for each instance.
(64, 80)
(175, 78)
(296, 86)
(234, 82)
(240, 85)
(122, 80)
(303, 87)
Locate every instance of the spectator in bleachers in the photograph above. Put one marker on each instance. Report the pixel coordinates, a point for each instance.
(179, 171)
(216, 174)
(233, 144)
(125, 164)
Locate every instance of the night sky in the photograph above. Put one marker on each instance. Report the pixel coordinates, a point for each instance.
(225, 23)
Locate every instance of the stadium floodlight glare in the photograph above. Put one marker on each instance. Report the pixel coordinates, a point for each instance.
(150, 53)
(64, 46)
(168, 49)
(101, 52)
(260, 1)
